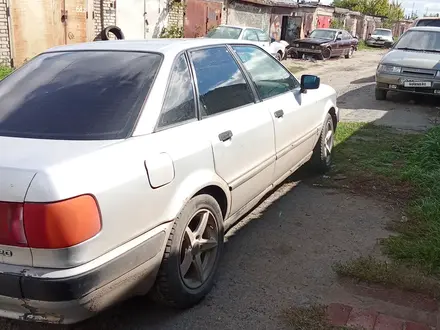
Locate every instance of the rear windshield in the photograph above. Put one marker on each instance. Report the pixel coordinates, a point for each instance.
(85, 95)
(224, 32)
(429, 22)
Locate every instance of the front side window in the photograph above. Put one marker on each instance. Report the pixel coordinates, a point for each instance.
(81, 95)
(269, 76)
(420, 41)
(224, 32)
(179, 103)
(323, 34)
(346, 35)
(250, 35)
(220, 82)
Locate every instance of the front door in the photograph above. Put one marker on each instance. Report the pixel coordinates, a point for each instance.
(295, 115)
(240, 130)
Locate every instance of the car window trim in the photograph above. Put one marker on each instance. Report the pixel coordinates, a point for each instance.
(188, 51)
(253, 82)
(157, 128)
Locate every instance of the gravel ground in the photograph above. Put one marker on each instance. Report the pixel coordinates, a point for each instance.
(282, 253)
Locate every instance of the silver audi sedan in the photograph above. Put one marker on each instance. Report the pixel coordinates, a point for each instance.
(122, 164)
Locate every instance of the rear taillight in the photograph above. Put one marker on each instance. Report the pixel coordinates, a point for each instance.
(49, 225)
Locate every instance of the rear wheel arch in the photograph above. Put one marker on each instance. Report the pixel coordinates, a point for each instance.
(218, 194)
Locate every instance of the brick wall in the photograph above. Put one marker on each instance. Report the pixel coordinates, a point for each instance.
(176, 15)
(5, 50)
(109, 7)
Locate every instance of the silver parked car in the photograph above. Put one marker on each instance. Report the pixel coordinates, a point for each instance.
(380, 38)
(124, 162)
(412, 65)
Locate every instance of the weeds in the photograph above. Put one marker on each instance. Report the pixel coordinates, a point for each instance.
(370, 270)
(405, 168)
(5, 71)
(309, 318)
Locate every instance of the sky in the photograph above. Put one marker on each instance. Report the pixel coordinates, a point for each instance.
(421, 6)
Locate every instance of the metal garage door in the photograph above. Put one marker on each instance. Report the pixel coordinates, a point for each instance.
(40, 24)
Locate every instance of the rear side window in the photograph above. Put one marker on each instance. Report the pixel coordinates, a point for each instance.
(220, 81)
(179, 105)
(83, 95)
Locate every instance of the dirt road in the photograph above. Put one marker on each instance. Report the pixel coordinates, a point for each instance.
(282, 254)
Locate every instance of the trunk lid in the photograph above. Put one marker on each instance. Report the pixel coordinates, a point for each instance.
(21, 159)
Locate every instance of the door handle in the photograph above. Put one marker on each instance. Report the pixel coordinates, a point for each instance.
(225, 136)
(279, 114)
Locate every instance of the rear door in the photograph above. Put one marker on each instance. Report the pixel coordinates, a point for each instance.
(296, 116)
(240, 130)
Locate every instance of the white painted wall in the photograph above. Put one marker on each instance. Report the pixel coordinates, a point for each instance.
(130, 18)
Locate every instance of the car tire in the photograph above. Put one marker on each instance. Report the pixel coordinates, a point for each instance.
(380, 94)
(350, 53)
(279, 56)
(326, 53)
(172, 288)
(322, 154)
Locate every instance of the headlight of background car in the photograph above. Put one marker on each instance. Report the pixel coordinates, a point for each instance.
(295, 45)
(389, 68)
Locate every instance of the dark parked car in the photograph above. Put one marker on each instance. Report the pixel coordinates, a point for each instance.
(325, 43)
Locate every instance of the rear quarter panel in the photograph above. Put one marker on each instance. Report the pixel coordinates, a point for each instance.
(117, 177)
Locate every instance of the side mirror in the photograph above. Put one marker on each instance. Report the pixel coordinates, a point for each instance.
(356, 37)
(272, 40)
(309, 82)
(338, 39)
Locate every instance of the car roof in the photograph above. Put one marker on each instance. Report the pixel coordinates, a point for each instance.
(426, 18)
(150, 45)
(425, 28)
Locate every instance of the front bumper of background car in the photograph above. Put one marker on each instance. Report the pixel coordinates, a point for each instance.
(396, 82)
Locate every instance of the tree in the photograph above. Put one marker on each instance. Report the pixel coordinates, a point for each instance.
(392, 10)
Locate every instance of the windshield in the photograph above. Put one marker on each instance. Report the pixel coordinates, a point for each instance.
(224, 32)
(429, 22)
(420, 40)
(384, 33)
(323, 34)
(82, 95)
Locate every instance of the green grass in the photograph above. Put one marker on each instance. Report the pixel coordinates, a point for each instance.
(371, 270)
(363, 46)
(4, 72)
(309, 318)
(404, 168)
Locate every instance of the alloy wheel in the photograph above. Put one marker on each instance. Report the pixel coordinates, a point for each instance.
(198, 250)
(329, 140)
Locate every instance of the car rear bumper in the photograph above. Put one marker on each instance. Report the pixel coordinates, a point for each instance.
(395, 82)
(59, 297)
